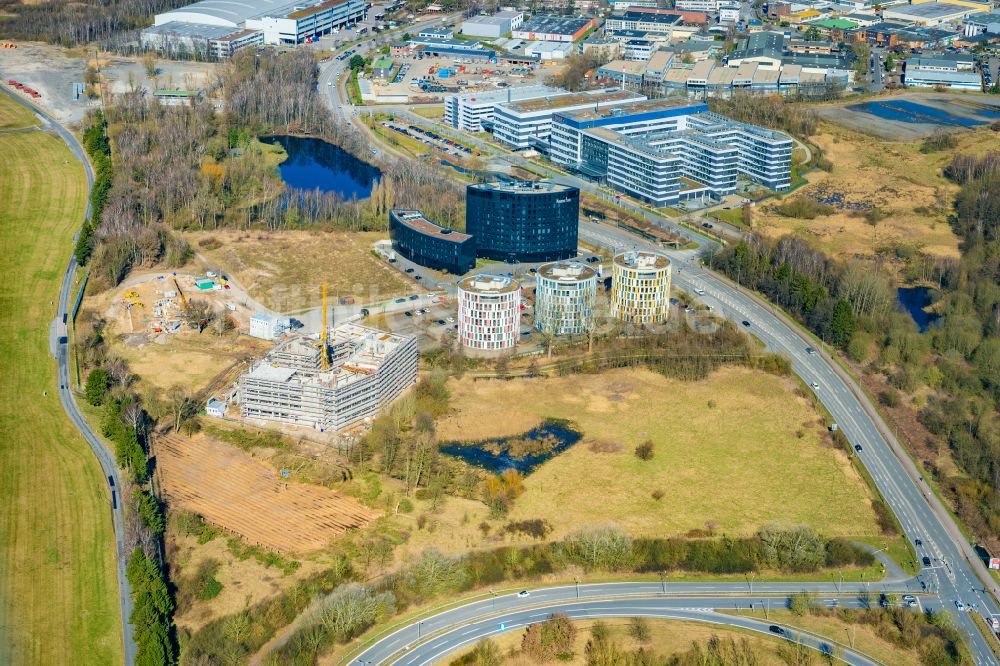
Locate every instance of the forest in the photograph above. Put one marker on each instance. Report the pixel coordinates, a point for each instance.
(161, 169)
(950, 373)
(72, 23)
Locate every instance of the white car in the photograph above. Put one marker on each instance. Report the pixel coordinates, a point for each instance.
(329, 83)
(959, 605)
(815, 386)
(451, 320)
(523, 593)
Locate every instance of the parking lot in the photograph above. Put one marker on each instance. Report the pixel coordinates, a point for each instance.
(430, 138)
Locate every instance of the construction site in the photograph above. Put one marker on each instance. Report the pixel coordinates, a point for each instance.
(340, 379)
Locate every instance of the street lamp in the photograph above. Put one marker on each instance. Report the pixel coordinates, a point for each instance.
(577, 580)
(663, 581)
(750, 581)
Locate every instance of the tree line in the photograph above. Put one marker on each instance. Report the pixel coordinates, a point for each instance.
(70, 23)
(344, 607)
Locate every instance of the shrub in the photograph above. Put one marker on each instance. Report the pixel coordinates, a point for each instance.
(804, 208)
(645, 451)
(657, 494)
(98, 384)
(405, 506)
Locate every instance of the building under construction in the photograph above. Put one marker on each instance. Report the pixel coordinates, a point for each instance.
(365, 370)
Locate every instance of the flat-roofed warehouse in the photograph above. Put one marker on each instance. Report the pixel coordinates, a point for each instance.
(277, 21)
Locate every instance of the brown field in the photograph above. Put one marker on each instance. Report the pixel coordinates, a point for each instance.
(893, 176)
(230, 489)
(761, 454)
(242, 580)
(284, 270)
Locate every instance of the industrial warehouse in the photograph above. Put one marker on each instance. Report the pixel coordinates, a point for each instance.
(220, 28)
(366, 370)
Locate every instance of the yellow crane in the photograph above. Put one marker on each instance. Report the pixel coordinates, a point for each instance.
(325, 356)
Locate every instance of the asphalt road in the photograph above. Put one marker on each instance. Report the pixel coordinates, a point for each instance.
(61, 353)
(440, 634)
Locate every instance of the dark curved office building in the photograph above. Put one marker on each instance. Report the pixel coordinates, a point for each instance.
(523, 221)
(425, 243)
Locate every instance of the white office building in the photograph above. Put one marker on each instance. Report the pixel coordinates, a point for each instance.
(565, 294)
(667, 151)
(527, 124)
(489, 312)
(267, 326)
(640, 287)
(494, 26)
(470, 111)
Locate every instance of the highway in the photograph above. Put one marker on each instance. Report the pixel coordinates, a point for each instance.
(58, 331)
(956, 574)
(444, 632)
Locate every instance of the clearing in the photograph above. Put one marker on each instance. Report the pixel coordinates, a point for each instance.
(230, 489)
(894, 177)
(284, 269)
(736, 450)
(58, 583)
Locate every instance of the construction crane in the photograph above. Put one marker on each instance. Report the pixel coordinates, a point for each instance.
(180, 292)
(324, 352)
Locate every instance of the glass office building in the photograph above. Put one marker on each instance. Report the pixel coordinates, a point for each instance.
(423, 242)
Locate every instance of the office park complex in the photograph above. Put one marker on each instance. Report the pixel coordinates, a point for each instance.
(426, 333)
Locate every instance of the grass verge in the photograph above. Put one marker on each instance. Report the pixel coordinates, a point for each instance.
(58, 586)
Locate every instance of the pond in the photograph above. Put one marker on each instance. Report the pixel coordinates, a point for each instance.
(314, 164)
(523, 452)
(913, 300)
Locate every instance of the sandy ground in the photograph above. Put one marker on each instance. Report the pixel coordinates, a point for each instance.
(963, 104)
(52, 71)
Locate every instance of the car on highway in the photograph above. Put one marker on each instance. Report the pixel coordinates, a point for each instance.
(857, 447)
(746, 323)
(523, 593)
(400, 300)
(414, 296)
(960, 605)
(926, 561)
(918, 542)
(810, 350)
(775, 629)
(418, 277)
(814, 386)
(409, 270)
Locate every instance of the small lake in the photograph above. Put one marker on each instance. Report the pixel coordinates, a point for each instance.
(523, 452)
(314, 164)
(913, 300)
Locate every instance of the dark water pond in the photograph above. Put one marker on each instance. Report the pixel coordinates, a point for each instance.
(314, 164)
(911, 112)
(913, 300)
(519, 451)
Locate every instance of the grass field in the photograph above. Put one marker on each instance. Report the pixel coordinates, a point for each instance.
(284, 270)
(15, 116)
(58, 587)
(739, 464)
(893, 176)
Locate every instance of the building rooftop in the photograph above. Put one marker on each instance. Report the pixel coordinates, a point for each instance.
(575, 99)
(632, 15)
(643, 106)
(567, 271)
(358, 352)
(511, 94)
(238, 11)
(632, 67)
(642, 260)
(523, 186)
(418, 222)
(555, 25)
(185, 29)
(928, 10)
(489, 284)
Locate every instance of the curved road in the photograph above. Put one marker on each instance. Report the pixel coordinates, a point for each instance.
(60, 351)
